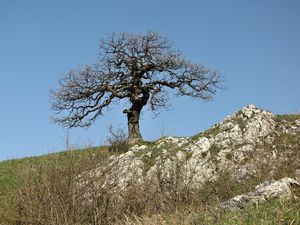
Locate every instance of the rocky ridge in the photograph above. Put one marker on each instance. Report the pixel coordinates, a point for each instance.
(235, 146)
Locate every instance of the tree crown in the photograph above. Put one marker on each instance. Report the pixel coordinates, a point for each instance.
(138, 68)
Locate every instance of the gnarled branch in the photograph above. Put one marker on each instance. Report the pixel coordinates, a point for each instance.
(136, 68)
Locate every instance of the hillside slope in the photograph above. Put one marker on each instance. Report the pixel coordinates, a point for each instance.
(174, 180)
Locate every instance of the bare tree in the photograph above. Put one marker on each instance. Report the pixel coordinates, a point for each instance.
(137, 68)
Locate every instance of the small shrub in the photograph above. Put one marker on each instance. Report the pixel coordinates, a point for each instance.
(117, 140)
(214, 151)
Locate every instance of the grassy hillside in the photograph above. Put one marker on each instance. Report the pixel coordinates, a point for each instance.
(45, 185)
(16, 173)
(10, 170)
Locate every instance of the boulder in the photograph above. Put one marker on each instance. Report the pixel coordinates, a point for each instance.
(263, 192)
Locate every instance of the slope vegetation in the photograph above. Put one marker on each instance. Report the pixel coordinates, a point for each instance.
(174, 180)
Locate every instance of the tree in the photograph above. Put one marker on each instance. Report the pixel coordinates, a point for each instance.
(136, 68)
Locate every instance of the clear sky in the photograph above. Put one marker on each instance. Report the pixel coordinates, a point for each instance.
(255, 44)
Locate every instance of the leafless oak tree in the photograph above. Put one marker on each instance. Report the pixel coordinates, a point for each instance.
(136, 68)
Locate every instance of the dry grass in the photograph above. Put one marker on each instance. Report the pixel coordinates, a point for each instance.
(56, 191)
(177, 218)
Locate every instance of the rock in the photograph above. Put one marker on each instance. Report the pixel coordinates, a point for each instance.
(200, 146)
(137, 148)
(249, 110)
(234, 146)
(118, 173)
(265, 191)
(179, 142)
(181, 156)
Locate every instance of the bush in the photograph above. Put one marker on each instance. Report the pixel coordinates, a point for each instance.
(117, 140)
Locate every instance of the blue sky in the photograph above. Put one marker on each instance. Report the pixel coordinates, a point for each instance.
(255, 45)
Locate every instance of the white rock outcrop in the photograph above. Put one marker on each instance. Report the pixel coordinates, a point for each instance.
(263, 192)
(119, 171)
(229, 146)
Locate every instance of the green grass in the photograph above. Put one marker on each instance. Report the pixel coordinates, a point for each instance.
(148, 160)
(208, 133)
(11, 171)
(288, 117)
(273, 212)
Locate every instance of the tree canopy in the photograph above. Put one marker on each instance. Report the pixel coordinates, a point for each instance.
(140, 69)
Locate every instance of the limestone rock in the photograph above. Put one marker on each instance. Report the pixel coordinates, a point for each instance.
(119, 172)
(265, 191)
(231, 146)
(200, 146)
(137, 148)
(176, 141)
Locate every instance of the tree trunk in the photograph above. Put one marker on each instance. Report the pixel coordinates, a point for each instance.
(134, 135)
(133, 115)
